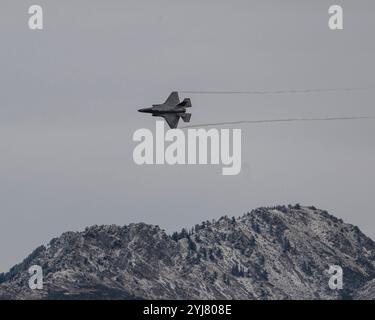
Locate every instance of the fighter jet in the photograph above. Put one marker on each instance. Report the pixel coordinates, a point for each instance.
(171, 110)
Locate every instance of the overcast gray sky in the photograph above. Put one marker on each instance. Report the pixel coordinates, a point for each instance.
(69, 96)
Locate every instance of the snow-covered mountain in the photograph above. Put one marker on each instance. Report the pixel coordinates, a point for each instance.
(268, 253)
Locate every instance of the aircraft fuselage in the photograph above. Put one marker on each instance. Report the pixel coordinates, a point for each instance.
(161, 108)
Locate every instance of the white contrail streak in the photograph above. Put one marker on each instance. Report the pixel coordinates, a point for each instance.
(275, 91)
(279, 120)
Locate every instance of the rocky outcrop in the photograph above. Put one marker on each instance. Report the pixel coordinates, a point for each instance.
(268, 253)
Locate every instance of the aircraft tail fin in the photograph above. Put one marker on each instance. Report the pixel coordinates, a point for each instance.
(186, 103)
(186, 117)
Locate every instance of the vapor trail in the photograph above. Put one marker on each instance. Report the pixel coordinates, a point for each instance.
(275, 91)
(279, 120)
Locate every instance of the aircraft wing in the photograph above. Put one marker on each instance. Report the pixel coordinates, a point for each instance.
(171, 119)
(173, 99)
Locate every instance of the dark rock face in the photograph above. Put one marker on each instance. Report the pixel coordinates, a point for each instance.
(269, 253)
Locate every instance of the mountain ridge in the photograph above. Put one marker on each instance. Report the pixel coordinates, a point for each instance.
(281, 252)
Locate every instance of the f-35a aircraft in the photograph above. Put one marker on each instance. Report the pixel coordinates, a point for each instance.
(171, 110)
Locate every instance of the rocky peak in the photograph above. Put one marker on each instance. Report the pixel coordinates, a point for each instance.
(281, 252)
